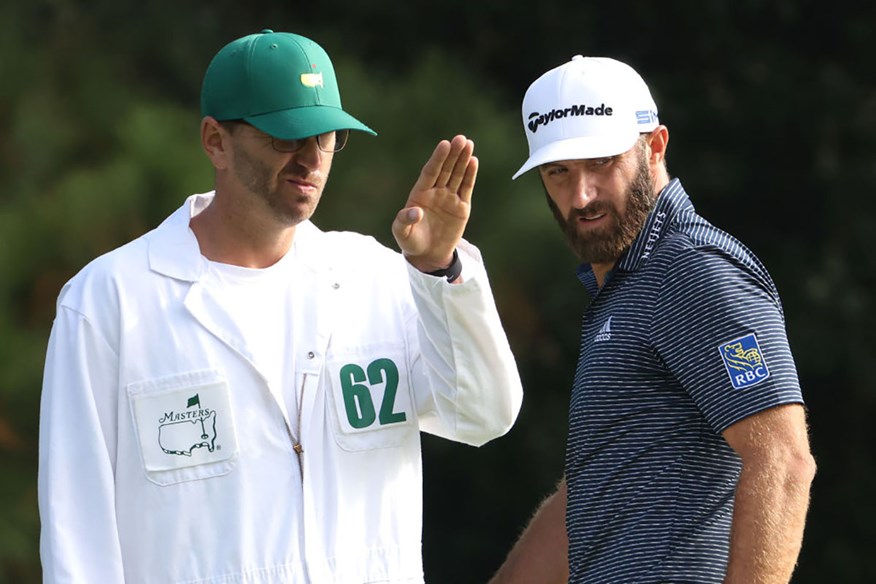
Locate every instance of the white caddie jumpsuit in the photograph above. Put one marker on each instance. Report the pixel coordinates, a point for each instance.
(166, 456)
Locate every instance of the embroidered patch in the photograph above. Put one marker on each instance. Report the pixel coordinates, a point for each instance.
(183, 421)
(744, 361)
(311, 79)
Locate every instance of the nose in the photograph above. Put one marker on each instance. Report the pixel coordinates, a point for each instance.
(583, 190)
(309, 156)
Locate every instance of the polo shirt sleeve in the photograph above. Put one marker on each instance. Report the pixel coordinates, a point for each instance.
(720, 329)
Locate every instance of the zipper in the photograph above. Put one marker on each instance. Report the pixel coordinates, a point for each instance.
(296, 446)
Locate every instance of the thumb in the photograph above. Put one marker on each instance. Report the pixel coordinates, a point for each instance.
(409, 215)
(404, 220)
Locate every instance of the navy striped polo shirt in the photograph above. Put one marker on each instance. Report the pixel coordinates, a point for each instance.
(686, 337)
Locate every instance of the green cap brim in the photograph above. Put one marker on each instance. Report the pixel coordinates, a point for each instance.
(303, 122)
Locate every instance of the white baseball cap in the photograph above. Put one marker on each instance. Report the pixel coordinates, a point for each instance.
(590, 107)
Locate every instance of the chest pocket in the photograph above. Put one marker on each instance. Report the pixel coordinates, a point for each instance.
(371, 404)
(185, 426)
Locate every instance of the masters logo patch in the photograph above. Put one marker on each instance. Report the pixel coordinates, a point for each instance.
(181, 432)
(184, 421)
(744, 361)
(311, 80)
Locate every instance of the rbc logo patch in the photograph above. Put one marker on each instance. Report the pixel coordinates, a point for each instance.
(744, 362)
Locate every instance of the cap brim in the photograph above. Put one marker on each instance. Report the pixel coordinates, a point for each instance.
(302, 122)
(578, 149)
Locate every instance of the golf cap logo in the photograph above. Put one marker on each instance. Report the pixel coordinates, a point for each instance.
(537, 119)
(744, 361)
(311, 80)
(647, 117)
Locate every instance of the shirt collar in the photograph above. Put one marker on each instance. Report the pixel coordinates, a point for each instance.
(174, 250)
(672, 201)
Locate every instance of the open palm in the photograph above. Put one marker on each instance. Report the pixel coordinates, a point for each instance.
(432, 222)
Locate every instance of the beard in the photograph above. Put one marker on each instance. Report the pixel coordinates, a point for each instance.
(260, 180)
(607, 245)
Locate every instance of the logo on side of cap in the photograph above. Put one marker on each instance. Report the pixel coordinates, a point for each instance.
(646, 117)
(311, 79)
(537, 119)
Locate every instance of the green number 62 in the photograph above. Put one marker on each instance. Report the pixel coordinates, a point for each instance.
(358, 403)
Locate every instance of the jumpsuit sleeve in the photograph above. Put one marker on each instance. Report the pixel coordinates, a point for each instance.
(78, 535)
(465, 378)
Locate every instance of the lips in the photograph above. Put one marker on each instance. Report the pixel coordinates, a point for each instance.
(591, 213)
(302, 183)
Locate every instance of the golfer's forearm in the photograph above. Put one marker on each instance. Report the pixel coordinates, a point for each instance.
(768, 523)
(540, 556)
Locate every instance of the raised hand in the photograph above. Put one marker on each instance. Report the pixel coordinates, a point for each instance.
(431, 223)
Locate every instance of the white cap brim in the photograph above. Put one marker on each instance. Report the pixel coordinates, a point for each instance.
(579, 149)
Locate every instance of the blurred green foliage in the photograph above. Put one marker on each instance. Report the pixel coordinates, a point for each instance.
(772, 114)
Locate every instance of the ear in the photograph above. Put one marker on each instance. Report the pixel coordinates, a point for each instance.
(658, 142)
(216, 142)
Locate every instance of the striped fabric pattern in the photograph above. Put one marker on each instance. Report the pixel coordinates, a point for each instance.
(686, 337)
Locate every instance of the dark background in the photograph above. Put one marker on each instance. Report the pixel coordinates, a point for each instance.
(771, 108)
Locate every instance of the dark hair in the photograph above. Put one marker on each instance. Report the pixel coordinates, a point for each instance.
(231, 126)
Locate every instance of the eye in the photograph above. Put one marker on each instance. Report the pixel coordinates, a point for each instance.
(287, 145)
(553, 170)
(602, 161)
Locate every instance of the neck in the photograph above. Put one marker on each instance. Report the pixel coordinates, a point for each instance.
(661, 179)
(600, 271)
(230, 236)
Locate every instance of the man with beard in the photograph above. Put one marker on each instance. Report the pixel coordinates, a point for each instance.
(687, 457)
(238, 396)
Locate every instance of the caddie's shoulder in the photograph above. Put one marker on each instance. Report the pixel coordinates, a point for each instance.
(343, 247)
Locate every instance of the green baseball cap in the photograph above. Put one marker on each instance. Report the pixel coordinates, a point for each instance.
(281, 83)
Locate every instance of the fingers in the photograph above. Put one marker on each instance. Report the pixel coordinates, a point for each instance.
(432, 168)
(466, 187)
(448, 167)
(454, 166)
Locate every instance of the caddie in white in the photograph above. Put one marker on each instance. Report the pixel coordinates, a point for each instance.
(237, 396)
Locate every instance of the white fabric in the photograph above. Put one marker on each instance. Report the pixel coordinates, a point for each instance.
(166, 456)
(261, 303)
